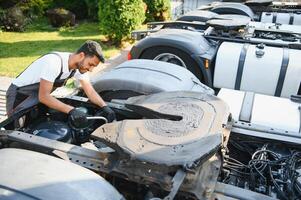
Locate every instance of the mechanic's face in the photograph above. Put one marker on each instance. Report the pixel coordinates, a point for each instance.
(87, 64)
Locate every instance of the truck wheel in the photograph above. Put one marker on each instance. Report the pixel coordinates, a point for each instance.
(174, 56)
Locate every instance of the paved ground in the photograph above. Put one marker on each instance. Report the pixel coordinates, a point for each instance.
(5, 82)
(110, 63)
(114, 61)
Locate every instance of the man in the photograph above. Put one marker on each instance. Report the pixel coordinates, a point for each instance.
(52, 70)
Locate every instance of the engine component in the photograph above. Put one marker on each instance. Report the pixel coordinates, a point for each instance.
(55, 130)
(198, 132)
(81, 132)
(272, 170)
(78, 118)
(192, 130)
(228, 24)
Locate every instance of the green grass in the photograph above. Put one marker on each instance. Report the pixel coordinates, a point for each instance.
(18, 50)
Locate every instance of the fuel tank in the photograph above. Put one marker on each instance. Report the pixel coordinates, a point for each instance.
(281, 18)
(263, 69)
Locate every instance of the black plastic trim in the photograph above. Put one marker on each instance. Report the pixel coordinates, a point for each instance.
(241, 64)
(283, 69)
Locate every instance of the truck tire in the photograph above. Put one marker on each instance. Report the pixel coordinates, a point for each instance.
(174, 56)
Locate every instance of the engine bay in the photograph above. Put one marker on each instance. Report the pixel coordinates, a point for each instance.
(158, 149)
(52, 124)
(268, 167)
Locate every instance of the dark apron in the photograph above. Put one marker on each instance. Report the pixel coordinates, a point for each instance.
(21, 98)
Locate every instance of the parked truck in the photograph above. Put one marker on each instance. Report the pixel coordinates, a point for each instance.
(174, 138)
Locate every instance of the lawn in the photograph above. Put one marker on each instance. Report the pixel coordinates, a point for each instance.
(18, 50)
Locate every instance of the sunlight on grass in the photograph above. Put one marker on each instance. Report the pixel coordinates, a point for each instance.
(18, 50)
(14, 65)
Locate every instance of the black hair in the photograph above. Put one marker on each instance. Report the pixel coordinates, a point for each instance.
(92, 48)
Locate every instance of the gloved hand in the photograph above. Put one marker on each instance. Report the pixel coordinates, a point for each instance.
(77, 118)
(107, 112)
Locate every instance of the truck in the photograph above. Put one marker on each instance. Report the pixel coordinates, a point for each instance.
(174, 138)
(267, 11)
(227, 51)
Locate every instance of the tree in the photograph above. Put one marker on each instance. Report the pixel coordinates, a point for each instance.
(157, 10)
(117, 18)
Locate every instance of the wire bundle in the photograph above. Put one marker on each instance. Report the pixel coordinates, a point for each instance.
(267, 171)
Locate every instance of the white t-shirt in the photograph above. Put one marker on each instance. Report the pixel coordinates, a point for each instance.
(48, 68)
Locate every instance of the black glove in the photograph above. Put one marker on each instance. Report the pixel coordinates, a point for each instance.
(107, 112)
(77, 118)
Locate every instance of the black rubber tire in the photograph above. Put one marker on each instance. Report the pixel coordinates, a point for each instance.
(190, 63)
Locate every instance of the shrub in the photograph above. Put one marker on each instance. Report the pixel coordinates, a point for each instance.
(2, 14)
(59, 17)
(78, 7)
(13, 19)
(34, 8)
(30, 8)
(157, 10)
(117, 18)
(92, 6)
(4, 4)
(15, 14)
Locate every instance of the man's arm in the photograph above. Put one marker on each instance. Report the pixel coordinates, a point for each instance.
(50, 101)
(91, 93)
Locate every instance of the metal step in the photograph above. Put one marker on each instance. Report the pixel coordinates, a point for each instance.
(2, 92)
(2, 103)
(3, 115)
(2, 112)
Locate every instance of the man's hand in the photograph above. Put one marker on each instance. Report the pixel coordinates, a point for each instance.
(107, 112)
(77, 118)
